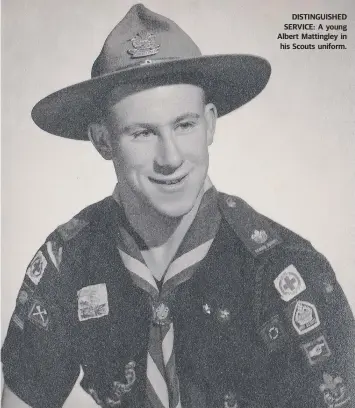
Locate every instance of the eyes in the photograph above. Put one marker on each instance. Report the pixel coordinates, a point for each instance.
(181, 127)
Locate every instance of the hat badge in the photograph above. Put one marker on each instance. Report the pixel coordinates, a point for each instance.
(144, 44)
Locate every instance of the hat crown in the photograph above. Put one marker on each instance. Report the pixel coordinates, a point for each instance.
(143, 36)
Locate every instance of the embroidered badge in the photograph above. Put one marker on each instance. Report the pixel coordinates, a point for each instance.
(273, 333)
(334, 391)
(161, 314)
(37, 267)
(144, 44)
(230, 400)
(92, 302)
(316, 350)
(289, 283)
(305, 317)
(38, 315)
(259, 237)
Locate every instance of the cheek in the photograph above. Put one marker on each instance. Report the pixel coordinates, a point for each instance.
(131, 158)
(195, 148)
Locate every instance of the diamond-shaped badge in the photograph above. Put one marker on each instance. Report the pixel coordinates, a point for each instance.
(289, 283)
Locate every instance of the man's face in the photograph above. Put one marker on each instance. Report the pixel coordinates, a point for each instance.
(159, 141)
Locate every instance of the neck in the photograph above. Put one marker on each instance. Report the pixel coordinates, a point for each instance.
(153, 227)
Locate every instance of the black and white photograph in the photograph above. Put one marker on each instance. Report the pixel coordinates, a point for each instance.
(178, 204)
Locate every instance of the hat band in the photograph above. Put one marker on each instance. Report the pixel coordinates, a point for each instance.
(138, 64)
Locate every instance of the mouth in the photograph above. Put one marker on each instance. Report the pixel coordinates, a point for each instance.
(168, 182)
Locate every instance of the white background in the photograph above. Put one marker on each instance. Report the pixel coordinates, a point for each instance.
(290, 153)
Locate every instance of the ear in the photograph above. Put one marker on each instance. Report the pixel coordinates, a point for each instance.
(211, 119)
(100, 138)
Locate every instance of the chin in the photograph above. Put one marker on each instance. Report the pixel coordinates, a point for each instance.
(174, 210)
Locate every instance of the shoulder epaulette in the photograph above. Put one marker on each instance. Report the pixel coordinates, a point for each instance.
(251, 227)
(73, 227)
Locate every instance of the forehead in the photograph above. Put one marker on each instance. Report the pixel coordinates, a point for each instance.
(158, 104)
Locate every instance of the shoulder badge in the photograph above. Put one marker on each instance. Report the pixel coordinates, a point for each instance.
(71, 228)
(251, 227)
(289, 283)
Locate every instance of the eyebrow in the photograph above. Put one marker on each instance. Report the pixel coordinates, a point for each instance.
(188, 115)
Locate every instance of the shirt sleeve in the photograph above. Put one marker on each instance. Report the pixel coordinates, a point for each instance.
(322, 335)
(39, 359)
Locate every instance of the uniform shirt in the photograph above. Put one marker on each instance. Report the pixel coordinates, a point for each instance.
(261, 323)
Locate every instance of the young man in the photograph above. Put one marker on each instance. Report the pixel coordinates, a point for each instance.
(169, 294)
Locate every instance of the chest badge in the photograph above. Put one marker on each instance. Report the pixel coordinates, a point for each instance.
(305, 317)
(207, 308)
(334, 391)
(223, 315)
(289, 283)
(92, 302)
(230, 400)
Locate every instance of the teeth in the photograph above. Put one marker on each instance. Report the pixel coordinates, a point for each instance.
(168, 182)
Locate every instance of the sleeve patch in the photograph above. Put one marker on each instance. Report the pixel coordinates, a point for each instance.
(55, 252)
(316, 351)
(38, 315)
(334, 391)
(37, 267)
(289, 283)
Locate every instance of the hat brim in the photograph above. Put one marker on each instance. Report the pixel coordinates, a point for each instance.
(229, 82)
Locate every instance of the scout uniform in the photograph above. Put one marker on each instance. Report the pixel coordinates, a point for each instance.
(248, 314)
(259, 320)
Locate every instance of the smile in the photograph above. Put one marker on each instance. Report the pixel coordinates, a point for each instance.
(168, 182)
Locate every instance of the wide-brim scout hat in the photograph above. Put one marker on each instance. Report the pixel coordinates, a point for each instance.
(148, 48)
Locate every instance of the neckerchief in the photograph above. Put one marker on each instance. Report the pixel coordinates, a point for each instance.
(162, 382)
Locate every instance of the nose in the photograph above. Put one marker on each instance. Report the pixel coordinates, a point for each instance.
(169, 157)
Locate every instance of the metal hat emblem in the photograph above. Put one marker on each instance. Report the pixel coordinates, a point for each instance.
(144, 44)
